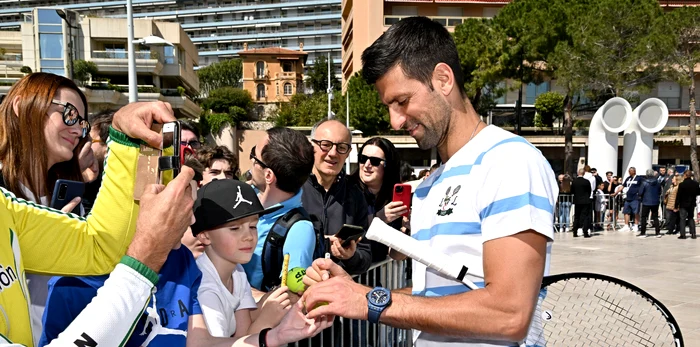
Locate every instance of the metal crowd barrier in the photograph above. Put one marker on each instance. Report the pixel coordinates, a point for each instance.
(610, 217)
(391, 274)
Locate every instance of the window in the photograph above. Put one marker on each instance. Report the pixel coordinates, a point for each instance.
(404, 11)
(169, 54)
(51, 46)
(449, 11)
(260, 69)
(261, 91)
(288, 89)
(670, 94)
(287, 66)
(534, 90)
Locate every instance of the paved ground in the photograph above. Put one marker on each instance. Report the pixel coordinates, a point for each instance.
(667, 268)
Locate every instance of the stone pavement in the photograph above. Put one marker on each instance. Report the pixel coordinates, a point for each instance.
(667, 268)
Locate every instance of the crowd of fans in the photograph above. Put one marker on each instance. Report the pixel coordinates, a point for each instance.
(662, 199)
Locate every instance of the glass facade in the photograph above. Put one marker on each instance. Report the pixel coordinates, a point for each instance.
(51, 45)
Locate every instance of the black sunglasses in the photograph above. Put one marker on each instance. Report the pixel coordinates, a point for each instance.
(253, 157)
(325, 145)
(194, 144)
(72, 116)
(375, 161)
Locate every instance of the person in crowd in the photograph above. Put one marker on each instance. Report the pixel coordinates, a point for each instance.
(423, 174)
(433, 168)
(188, 239)
(282, 161)
(415, 68)
(581, 188)
(189, 135)
(631, 195)
(610, 190)
(99, 132)
(564, 202)
(594, 184)
(666, 183)
(406, 172)
(376, 176)
(672, 217)
(598, 179)
(219, 163)
(601, 204)
(685, 203)
(649, 196)
(328, 195)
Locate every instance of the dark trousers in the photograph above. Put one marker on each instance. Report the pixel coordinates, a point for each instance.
(582, 218)
(672, 221)
(654, 209)
(687, 219)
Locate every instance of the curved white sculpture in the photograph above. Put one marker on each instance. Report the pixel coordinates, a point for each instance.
(615, 116)
(648, 118)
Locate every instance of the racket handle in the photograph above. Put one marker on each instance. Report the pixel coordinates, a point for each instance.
(440, 262)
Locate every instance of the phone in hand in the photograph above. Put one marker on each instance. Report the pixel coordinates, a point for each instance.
(170, 161)
(349, 233)
(402, 192)
(64, 191)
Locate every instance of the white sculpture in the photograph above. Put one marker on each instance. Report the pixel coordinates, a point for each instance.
(615, 116)
(648, 118)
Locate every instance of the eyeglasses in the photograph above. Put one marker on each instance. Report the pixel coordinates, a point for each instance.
(72, 116)
(375, 161)
(254, 158)
(325, 145)
(194, 144)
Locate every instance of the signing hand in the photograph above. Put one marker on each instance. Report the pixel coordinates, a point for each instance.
(329, 283)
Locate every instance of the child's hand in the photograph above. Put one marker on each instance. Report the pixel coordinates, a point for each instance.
(275, 306)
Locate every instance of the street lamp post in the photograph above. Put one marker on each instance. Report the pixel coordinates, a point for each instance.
(71, 47)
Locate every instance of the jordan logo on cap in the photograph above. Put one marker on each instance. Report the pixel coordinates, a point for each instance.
(240, 199)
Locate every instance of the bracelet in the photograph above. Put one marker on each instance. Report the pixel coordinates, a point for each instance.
(262, 337)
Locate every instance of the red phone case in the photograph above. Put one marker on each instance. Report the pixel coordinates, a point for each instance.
(404, 195)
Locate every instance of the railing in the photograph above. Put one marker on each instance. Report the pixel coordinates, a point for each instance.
(10, 57)
(390, 274)
(288, 75)
(123, 55)
(445, 21)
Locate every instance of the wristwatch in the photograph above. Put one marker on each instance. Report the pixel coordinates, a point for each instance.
(378, 299)
(262, 337)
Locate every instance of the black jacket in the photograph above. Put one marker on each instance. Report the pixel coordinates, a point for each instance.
(687, 191)
(581, 188)
(344, 203)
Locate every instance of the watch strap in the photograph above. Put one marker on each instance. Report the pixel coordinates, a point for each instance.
(262, 337)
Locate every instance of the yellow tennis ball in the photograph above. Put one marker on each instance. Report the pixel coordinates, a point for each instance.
(295, 278)
(322, 303)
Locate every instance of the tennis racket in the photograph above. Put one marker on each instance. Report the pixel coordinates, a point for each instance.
(575, 309)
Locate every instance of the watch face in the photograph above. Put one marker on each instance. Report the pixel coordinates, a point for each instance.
(379, 297)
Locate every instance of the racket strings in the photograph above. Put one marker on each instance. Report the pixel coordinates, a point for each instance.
(595, 312)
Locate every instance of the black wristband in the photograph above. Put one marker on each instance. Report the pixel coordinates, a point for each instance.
(262, 337)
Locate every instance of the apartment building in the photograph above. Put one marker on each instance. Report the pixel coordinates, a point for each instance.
(51, 39)
(219, 28)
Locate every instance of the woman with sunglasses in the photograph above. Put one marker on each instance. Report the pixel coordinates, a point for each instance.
(376, 176)
(43, 129)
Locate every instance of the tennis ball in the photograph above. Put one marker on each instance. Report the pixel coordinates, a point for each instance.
(294, 280)
(323, 303)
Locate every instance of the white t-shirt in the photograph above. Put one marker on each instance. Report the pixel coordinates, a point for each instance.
(589, 176)
(218, 304)
(476, 197)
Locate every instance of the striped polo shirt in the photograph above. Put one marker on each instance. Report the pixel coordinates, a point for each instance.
(497, 185)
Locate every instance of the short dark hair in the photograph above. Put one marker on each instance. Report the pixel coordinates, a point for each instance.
(207, 155)
(434, 167)
(406, 172)
(608, 173)
(102, 121)
(417, 45)
(289, 154)
(188, 125)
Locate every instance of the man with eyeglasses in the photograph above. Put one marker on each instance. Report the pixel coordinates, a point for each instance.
(189, 136)
(328, 195)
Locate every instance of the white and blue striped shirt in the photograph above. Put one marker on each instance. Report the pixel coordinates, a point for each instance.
(497, 185)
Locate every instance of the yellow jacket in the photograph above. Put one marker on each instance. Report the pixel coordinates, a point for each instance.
(38, 239)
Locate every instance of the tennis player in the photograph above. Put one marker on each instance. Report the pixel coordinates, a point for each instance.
(490, 206)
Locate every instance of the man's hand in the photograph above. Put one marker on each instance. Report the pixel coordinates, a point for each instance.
(339, 251)
(135, 120)
(165, 214)
(294, 327)
(329, 283)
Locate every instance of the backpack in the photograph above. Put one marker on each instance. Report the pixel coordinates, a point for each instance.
(272, 257)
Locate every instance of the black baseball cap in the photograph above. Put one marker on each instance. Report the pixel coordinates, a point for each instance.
(223, 201)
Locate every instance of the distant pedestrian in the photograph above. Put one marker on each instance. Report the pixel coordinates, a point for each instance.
(685, 203)
(649, 194)
(581, 188)
(672, 218)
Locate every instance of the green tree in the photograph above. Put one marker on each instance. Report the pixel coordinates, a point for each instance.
(25, 70)
(549, 106)
(367, 112)
(684, 28)
(317, 76)
(227, 73)
(84, 70)
(302, 110)
(226, 105)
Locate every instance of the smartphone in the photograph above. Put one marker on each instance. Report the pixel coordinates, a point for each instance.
(402, 192)
(64, 191)
(170, 150)
(349, 233)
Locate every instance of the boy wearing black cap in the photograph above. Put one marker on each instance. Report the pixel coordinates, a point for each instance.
(226, 213)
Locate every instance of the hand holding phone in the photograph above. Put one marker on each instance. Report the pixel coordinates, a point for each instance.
(349, 233)
(403, 193)
(64, 191)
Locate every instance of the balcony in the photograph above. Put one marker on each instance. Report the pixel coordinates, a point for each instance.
(147, 62)
(287, 75)
(265, 75)
(449, 22)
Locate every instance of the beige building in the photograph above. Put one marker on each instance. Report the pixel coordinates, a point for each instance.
(51, 39)
(272, 75)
